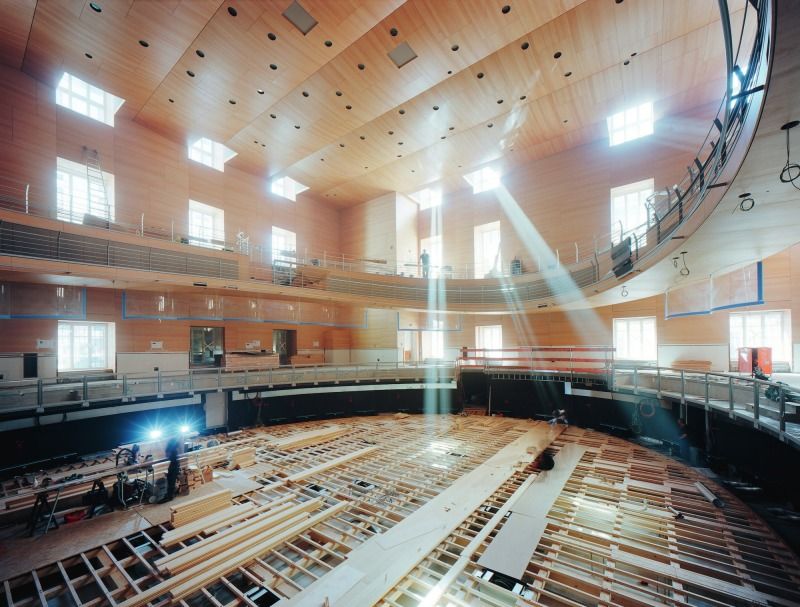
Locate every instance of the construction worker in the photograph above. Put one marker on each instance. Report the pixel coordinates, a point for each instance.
(172, 451)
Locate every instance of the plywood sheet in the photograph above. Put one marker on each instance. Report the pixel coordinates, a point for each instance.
(512, 547)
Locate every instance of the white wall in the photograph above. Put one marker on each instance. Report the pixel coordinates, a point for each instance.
(717, 354)
(145, 362)
(371, 355)
(216, 411)
(11, 366)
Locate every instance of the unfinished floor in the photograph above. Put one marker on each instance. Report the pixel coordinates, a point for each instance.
(432, 493)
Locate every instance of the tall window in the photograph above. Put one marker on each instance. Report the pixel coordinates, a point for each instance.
(433, 341)
(210, 153)
(206, 225)
(83, 346)
(433, 245)
(483, 179)
(82, 97)
(770, 329)
(287, 188)
(630, 124)
(630, 213)
(635, 338)
(79, 194)
(284, 245)
(487, 250)
(427, 198)
(490, 339)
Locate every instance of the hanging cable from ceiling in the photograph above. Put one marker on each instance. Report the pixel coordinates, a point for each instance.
(791, 170)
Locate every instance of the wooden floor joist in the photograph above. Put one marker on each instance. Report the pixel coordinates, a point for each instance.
(608, 537)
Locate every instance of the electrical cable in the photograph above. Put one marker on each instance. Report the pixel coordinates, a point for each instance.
(791, 170)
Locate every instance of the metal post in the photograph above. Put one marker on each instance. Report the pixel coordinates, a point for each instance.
(635, 380)
(219, 377)
(85, 389)
(730, 394)
(27, 192)
(658, 381)
(159, 390)
(707, 401)
(125, 385)
(755, 400)
(683, 386)
(782, 417)
(39, 392)
(191, 380)
(246, 383)
(141, 233)
(577, 258)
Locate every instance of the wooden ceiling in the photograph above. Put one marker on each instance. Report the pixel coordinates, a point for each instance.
(486, 81)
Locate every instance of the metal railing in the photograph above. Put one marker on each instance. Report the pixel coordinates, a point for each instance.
(670, 207)
(770, 406)
(40, 394)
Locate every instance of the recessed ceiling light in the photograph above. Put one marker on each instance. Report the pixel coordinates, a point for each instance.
(361, 66)
(338, 93)
(435, 108)
(399, 155)
(232, 11)
(95, 7)
(449, 72)
(557, 55)
(633, 54)
(523, 97)
(401, 112)
(399, 143)
(451, 128)
(328, 43)
(297, 126)
(254, 141)
(144, 43)
(232, 101)
(506, 9)
(618, 1)
(263, 145)
(272, 66)
(391, 132)
(566, 121)
(341, 145)
(626, 62)
(348, 107)
(568, 74)
(88, 55)
(362, 138)
(443, 137)
(490, 125)
(499, 101)
(525, 46)
(305, 93)
(260, 91)
(393, 32)
(171, 100)
(190, 73)
(480, 75)
(454, 47)
(272, 36)
(200, 53)
(273, 116)
(322, 160)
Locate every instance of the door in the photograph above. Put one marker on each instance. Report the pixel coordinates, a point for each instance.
(284, 344)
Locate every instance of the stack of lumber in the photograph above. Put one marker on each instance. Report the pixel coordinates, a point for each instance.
(199, 507)
(243, 457)
(704, 366)
(201, 563)
(305, 439)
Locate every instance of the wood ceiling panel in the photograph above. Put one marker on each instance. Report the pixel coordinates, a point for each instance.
(63, 31)
(14, 29)
(431, 28)
(470, 103)
(237, 57)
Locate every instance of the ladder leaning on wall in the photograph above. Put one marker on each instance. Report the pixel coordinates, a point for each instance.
(97, 204)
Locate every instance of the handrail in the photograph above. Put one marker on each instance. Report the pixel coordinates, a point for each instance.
(672, 206)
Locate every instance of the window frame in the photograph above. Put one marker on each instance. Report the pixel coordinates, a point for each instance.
(73, 92)
(483, 180)
(482, 268)
(108, 347)
(211, 225)
(288, 188)
(622, 354)
(427, 198)
(74, 172)
(631, 123)
(210, 153)
(281, 256)
(782, 354)
(489, 351)
(643, 192)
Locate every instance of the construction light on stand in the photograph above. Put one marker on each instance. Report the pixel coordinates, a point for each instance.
(155, 433)
(184, 429)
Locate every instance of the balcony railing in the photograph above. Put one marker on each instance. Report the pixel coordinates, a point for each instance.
(562, 270)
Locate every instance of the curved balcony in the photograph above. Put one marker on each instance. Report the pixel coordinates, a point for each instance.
(676, 212)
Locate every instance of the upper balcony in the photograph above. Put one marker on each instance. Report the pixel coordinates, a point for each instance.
(574, 274)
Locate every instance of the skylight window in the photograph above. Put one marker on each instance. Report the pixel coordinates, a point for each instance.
(483, 179)
(427, 198)
(287, 188)
(630, 124)
(82, 97)
(210, 153)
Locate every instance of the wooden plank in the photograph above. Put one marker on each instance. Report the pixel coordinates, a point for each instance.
(303, 439)
(377, 565)
(227, 515)
(511, 549)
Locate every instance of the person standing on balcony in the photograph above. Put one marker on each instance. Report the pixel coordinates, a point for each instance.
(425, 259)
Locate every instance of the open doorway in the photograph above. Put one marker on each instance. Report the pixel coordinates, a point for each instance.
(284, 344)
